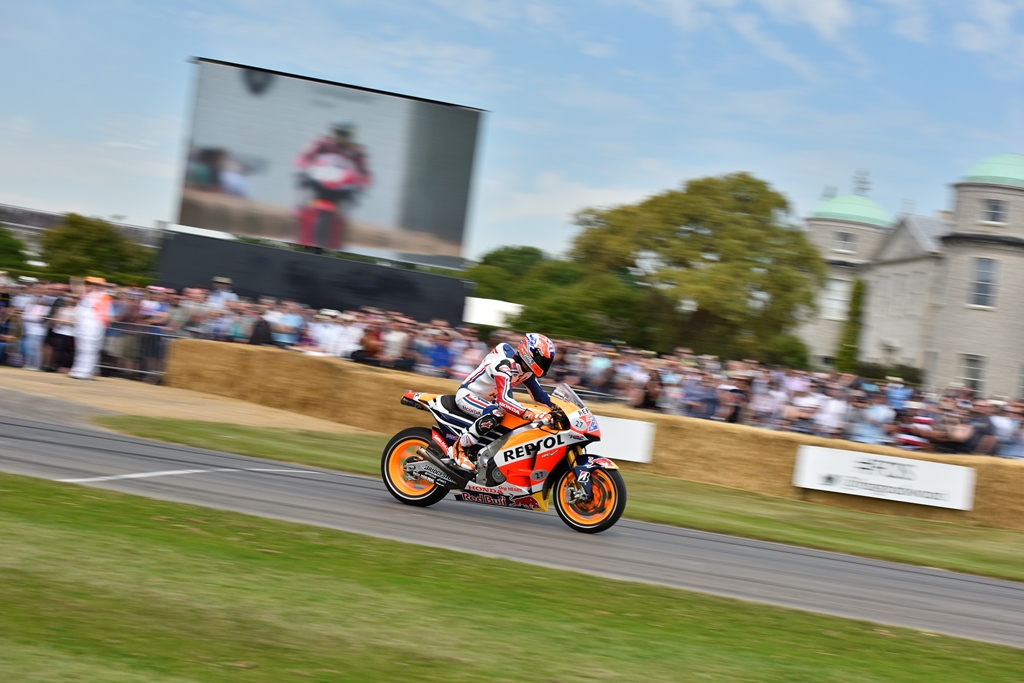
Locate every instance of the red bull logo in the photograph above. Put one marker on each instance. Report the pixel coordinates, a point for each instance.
(485, 498)
(527, 502)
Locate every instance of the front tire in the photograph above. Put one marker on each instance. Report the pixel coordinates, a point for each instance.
(604, 508)
(400, 450)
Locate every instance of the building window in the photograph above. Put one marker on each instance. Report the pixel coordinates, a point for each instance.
(993, 210)
(835, 302)
(844, 241)
(983, 285)
(972, 372)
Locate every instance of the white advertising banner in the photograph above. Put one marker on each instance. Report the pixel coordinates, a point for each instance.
(623, 439)
(883, 476)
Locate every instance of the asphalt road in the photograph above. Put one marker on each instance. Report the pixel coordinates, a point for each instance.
(54, 445)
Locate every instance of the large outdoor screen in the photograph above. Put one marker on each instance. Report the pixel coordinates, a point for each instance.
(328, 166)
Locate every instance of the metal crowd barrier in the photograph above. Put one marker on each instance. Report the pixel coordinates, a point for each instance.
(135, 350)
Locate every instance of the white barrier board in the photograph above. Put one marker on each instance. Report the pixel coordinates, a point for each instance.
(883, 476)
(623, 439)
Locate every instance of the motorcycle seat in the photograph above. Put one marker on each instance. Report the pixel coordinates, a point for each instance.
(449, 404)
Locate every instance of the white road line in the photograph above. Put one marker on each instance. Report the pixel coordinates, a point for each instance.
(172, 473)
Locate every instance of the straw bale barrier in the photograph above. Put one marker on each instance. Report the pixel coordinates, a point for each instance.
(736, 456)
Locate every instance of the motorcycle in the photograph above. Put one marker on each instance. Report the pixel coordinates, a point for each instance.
(519, 464)
(333, 181)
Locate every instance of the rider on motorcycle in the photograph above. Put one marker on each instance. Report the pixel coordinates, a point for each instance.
(341, 142)
(486, 393)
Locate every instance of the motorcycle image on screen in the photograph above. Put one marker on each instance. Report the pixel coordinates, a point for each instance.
(519, 465)
(332, 182)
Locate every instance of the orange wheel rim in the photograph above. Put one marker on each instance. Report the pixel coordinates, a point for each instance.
(397, 458)
(600, 505)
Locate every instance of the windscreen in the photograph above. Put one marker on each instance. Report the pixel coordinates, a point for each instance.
(564, 392)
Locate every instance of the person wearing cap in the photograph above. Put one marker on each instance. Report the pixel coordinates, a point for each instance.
(897, 393)
(92, 315)
(221, 294)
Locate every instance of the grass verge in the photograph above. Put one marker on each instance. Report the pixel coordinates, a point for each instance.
(102, 586)
(972, 549)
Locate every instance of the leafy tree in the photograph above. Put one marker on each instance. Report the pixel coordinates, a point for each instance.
(514, 260)
(91, 246)
(11, 250)
(846, 354)
(730, 275)
(788, 351)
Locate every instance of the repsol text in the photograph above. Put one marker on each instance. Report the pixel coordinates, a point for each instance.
(532, 448)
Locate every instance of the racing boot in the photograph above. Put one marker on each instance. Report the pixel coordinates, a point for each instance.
(457, 452)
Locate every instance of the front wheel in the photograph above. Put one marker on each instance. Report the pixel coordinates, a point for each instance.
(603, 509)
(400, 450)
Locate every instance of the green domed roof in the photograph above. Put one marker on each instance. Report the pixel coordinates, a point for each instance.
(1002, 169)
(853, 207)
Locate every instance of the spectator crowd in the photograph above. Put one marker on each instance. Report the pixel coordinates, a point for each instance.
(38, 323)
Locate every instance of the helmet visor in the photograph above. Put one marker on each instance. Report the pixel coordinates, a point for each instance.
(541, 365)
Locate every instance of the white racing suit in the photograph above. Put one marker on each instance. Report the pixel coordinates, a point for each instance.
(486, 393)
(92, 314)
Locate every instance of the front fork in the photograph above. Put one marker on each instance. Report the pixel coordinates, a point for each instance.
(583, 465)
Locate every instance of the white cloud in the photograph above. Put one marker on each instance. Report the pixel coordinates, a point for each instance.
(685, 14)
(827, 17)
(993, 30)
(487, 13)
(493, 14)
(598, 49)
(301, 34)
(912, 19)
(749, 26)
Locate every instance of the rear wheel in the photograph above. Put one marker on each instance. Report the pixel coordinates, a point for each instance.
(399, 451)
(603, 509)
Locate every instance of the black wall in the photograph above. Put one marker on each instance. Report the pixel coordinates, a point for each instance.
(319, 281)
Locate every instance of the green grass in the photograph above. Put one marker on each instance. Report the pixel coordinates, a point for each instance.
(101, 586)
(959, 547)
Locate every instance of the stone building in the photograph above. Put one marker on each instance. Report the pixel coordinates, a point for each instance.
(945, 293)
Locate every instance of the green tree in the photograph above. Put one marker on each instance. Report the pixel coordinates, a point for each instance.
(849, 341)
(11, 250)
(514, 260)
(91, 246)
(561, 297)
(727, 274)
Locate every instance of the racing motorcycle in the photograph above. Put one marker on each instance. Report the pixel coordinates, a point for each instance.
(519, 464)
(333, 181)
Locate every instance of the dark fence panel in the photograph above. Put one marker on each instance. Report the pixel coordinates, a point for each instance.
(319, 281)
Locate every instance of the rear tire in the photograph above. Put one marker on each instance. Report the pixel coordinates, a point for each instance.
(604, 508)
(401, 449)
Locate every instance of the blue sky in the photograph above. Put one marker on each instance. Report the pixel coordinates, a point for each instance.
(593, 102)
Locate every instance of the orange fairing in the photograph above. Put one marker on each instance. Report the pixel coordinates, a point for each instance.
(419, 397)
(527, 457)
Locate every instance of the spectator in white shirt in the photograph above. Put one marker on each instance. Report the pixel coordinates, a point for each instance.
(830, 418)
(351, 335)
(34, 318)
